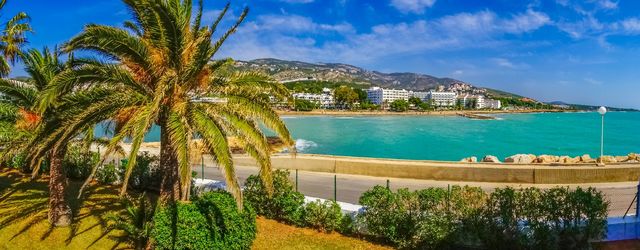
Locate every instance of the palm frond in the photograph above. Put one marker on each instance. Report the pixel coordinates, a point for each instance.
(216, 142)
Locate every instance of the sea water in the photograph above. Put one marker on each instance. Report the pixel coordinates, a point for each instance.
(453, 138)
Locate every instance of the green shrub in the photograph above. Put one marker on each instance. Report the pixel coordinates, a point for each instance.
(399, 105)
(211, 221)
(79, 162)
(19, 162)
(408, 219)
(558, 218)
(233, 229)
(107, 174)
(191, 228)
(284, 205)
(347, 225)
(146, 175)
(304, 105)
(136, 221)
(324, 216)
(465, 207)
(501, 215)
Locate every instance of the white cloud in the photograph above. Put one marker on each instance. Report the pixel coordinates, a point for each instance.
(588, 7)
(592, 81)
(525, 22)
(412, 6)
(300, 38)
(607, 4)
(631, 25)
(586, 27)
(506, 63)
(592, 28)
(487, 23)
(295, 24)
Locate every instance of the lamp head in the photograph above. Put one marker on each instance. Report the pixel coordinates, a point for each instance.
(602, 110)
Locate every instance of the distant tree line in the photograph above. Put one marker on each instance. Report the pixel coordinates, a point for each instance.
(519, 102)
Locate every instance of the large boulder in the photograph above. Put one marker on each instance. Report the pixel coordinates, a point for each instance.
(471, 159)
(607, 159)
(568, 160)
(520, 159)
(587, 159)
(633, 157)
(545, 159)
(490, 158)
(622, 158)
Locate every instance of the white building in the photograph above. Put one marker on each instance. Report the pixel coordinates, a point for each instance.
(442, 99)
(481, 102)
(492, 104)
(324, 100)
(379, 95)
(424, 96)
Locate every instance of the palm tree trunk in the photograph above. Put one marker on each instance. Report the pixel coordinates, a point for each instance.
(59, 210)
(170, 185)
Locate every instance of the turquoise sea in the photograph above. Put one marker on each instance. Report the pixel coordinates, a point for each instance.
(453, 138)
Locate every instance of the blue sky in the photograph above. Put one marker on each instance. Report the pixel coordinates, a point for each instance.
(576, 51)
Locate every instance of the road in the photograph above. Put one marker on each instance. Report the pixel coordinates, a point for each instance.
(350, 187)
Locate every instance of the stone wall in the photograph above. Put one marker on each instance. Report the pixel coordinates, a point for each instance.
(456, 171)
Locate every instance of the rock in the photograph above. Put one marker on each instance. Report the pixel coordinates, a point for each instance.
(576, 159)
(547, 159)
(633, 157)
(622, 158)
(607, 159)
(587, 159)
(520, 159)
(567, 160)
(471, 159)
(490, 158)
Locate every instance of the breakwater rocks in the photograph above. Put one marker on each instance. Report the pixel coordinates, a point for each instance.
(548, 159)
(476, 116)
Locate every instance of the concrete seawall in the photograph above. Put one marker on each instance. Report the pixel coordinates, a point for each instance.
(455, 171)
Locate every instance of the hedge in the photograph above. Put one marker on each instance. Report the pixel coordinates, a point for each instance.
(435, 218)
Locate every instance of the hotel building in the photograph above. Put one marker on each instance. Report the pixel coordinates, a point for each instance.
(379, 95)
(324, 100)
(442, 99)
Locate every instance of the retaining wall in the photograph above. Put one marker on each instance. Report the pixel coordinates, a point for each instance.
(455, 171)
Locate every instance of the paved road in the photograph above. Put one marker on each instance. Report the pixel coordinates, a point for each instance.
(350, 187)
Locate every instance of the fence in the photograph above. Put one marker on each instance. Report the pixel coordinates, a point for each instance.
(349, 188)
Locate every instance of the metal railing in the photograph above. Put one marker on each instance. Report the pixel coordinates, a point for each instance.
(635, 201)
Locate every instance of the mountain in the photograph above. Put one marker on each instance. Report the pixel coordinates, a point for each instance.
(288, 71)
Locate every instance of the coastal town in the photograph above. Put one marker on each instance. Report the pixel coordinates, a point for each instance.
(452, 97)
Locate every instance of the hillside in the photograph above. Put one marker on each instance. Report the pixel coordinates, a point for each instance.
(287, 71)
(589, 107)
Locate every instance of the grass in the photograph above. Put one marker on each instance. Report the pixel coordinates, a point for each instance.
(23, 216)
(275, 235)
(24, 225)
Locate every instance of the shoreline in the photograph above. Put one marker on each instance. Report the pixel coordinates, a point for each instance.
(319, 112)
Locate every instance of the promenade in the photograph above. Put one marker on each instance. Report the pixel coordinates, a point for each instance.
(350, 187)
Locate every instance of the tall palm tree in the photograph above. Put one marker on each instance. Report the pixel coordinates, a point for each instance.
(163, 72)
(12, 39)
(21, 120)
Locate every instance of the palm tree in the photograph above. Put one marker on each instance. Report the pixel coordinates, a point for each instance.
(22, 120)
(12, 39)
(162, 72)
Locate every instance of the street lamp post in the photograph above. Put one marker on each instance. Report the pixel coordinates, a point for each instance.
(602, 111)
